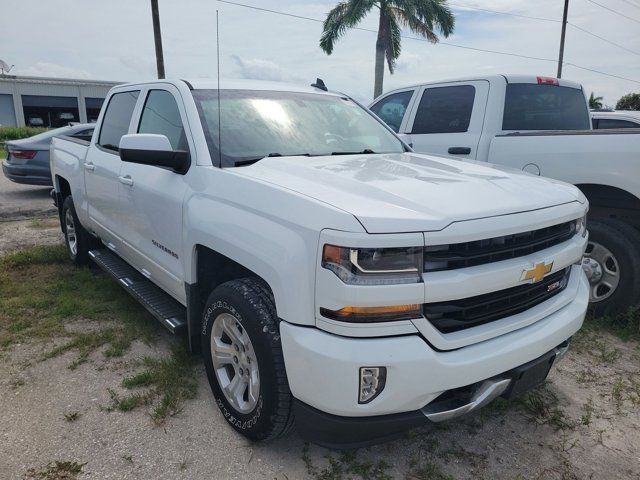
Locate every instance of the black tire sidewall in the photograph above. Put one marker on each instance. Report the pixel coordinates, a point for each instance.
(257, 424)
(624, 243)
(81, 256)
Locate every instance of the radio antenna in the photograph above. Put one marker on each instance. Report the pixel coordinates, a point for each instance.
(219, 114)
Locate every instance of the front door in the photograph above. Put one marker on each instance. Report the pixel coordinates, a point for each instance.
(152, 198)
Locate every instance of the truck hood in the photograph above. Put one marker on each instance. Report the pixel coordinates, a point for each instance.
(408, 192)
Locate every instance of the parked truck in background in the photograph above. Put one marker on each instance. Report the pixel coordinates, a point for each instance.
(324, 270)
(542, 126)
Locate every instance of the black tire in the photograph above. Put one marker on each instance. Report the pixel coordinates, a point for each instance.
(250, 301)
(623, 241)
(80, 241)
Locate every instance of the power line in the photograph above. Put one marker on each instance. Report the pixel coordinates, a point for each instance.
(486, 10)
(602, 38)
(614, 11)
(631, 3)
(465, 47)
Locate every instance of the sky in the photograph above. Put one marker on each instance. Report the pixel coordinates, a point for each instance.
(114, 41)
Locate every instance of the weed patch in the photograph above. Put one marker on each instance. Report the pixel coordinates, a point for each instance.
(346, 465)
(168, 382)
(57, 471)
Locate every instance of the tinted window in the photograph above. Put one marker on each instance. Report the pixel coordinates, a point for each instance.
(255, 124)
(391, 109)
(445, 110)
(161, 116)
(116, 119)
(544, 107)
(613, 123)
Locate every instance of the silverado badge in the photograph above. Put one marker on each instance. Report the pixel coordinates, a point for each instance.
(537, 273)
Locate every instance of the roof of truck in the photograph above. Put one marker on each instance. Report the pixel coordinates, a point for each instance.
(498, 78)
(235, 84)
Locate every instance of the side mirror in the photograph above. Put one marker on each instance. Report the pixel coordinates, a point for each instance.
(155, 150)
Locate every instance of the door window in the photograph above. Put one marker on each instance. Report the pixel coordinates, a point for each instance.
(615, 123)
(445, 110)
(116, 119)
(392, 108)
(161, 116)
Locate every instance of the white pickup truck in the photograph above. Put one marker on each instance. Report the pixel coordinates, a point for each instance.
(540, 125)
(325, 271)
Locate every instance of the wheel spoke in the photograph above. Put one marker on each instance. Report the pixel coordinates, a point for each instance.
(222, 353)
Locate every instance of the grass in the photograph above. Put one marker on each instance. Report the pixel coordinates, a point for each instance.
(166, 382)
(346, 466)
(72, 416)
(57, 471)
(43, 295)
(543, 407)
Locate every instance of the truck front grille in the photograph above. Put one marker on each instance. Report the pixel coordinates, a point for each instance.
(455, 315)
(480, 252)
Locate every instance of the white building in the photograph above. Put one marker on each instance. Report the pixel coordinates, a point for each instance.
(50, 102)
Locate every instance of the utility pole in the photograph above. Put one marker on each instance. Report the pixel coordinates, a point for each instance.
(564, 31)
(157, 36)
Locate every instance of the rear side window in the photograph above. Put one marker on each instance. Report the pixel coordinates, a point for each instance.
(531, 106)
(613, 123)
(445, 110)
(391, 109)
(161, 116)
(116, 119)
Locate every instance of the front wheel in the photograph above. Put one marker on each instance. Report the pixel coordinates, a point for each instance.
(244, 361)
(612, 265)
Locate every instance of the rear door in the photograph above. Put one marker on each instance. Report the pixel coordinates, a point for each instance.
(152, 196)
(102, 167)
(447, 119)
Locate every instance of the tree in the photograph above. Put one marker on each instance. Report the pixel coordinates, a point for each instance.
(422, 17)
(630, 101)
(595, 102)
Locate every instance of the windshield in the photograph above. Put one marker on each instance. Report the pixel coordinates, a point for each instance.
(529, 106)
(257, 124)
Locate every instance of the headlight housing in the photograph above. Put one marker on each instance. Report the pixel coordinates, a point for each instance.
(374, 266)
(581, 226)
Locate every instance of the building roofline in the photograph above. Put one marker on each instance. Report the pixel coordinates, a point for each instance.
(56, 80)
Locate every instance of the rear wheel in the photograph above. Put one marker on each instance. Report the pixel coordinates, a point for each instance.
(243, 358)
(76, 238)
(612, 265)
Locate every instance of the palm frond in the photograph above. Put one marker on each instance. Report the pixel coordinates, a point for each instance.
(410, 21)
(344, 15)
(391, 36)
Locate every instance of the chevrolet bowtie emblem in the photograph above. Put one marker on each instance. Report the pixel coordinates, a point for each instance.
(537, 273)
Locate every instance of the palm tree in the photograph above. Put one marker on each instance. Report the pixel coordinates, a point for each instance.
(422, 17)
(595, 102)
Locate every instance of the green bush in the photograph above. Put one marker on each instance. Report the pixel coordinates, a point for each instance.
(16, 133)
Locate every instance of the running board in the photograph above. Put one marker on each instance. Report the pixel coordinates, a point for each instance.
(161, 305)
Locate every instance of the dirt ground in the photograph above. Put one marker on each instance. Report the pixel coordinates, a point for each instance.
(56, 424)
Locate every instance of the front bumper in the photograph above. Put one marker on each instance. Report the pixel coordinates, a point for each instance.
(26, 174)
(323, 368)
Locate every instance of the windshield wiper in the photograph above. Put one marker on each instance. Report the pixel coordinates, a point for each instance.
(250, 161)
(367, 151)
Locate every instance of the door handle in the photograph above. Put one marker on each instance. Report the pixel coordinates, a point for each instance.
(89, 166)
(459, 150)
(127, 180)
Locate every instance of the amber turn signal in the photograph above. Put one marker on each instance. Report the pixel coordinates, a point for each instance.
(374, 314)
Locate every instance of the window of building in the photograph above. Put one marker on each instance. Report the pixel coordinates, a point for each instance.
(49, 111)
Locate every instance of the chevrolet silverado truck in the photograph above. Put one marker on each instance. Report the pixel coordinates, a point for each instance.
(542, 126)
(325, 271)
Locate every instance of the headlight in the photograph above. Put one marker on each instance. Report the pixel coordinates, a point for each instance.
(581, 226)
(374, 266)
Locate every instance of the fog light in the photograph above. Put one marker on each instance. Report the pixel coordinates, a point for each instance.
(372, 382)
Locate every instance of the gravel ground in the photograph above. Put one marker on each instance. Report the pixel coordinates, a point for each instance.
(23, 201)
(584, 423)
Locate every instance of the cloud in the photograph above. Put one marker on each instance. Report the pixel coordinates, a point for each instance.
(259, 69)
(47, 69)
